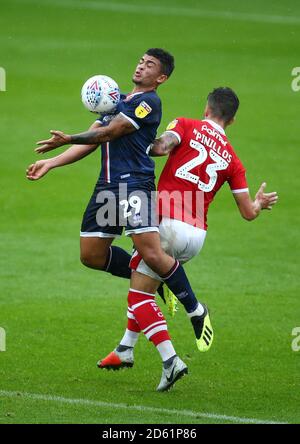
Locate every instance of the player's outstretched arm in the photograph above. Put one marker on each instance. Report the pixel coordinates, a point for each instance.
(164, 144)
(40, 168)
(58, 139)
(249, 208)
(118, 127)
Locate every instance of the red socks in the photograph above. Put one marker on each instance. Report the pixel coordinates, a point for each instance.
(144, 314)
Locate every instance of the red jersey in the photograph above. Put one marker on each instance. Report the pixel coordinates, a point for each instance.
(196, 169)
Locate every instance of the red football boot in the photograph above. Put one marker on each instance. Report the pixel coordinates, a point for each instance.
(116, 360)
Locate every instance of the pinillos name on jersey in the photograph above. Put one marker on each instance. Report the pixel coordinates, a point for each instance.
(213, 142)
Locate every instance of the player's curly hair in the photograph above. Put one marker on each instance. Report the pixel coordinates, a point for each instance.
(223, 103)
(166, 59)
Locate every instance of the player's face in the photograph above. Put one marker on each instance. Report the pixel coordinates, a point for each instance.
(148, 72)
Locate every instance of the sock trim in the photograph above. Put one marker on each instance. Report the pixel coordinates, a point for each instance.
(135, 306)
(155, 330)
(109, 260)
(141, 292)
(192, 313)
(130, 315)
(160, 337)
(171, 271)
(152, 325)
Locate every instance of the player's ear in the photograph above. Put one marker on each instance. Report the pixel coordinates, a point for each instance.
(206, 111)
(161, 79)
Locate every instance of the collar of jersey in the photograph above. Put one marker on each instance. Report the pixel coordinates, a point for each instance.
(129, 96)
(216, 126)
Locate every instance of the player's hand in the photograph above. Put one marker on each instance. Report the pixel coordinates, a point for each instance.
(38, 169)
(58, 139)
(265, 200)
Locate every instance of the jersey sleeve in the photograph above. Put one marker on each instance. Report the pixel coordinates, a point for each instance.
(176, 127)
(104, 119)
(144, 110)
(237, 180)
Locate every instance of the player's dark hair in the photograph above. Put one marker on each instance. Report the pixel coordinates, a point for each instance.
(223, 103)
(165, 58)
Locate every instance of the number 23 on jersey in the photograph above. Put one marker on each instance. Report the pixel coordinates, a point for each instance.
(218, 164)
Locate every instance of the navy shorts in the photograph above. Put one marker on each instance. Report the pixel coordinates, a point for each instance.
(114, 207)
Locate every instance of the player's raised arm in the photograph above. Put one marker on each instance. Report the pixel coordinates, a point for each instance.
(164, 144)
(249, 208)
(118, 127)
(40, 168)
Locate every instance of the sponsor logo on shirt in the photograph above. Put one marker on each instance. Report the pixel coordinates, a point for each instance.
(142, 110)
(172, 124)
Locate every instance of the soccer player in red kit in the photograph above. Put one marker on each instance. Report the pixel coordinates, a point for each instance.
(201, 160)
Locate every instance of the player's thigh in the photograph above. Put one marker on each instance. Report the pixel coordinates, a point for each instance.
(181, 240)
(149, 247)
(148, 244)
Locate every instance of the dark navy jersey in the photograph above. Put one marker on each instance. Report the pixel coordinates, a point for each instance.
(126, 159)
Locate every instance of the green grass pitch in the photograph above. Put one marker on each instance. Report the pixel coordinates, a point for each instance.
(60, 317)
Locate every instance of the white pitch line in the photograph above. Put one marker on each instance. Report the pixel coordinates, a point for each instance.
(139, 408)
(170, 11)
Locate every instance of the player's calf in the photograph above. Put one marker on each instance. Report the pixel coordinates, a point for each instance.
(97, 253)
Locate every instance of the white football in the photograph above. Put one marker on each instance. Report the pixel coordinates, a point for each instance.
(100, 94)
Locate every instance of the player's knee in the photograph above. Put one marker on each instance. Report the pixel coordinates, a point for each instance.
(92, 260)
(151, 257)
(85, 259)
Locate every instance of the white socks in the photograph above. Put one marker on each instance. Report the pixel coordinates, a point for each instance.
(166, 350)
(198, 312)
(130, 338)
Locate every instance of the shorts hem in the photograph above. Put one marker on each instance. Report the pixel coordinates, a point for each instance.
(98, 234)
(141, 230)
